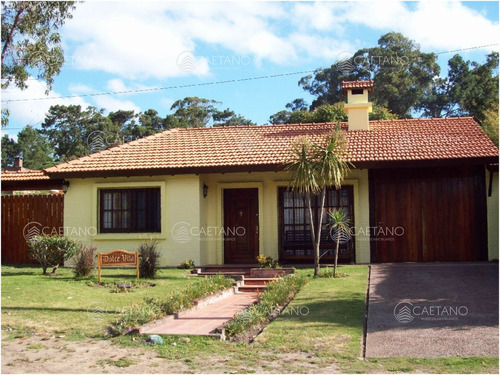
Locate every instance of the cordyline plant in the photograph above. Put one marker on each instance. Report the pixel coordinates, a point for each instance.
(339, 223)
(312, 169)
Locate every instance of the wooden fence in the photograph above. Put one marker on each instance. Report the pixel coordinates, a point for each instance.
(24, 216)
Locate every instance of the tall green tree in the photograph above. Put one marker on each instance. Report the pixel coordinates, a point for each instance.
(31, 41)
(194, 112)
(402, 73)
(10, 149)
(70, 130)
(312, 169)
(36, 150)
(470, 89)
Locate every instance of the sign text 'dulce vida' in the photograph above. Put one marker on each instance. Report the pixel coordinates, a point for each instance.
(117, 258)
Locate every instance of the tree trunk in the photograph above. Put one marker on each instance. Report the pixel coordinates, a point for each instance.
(10, 35)
(336, 255)
(318, 236)
(313, 233)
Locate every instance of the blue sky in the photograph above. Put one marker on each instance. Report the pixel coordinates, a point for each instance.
(120, 46)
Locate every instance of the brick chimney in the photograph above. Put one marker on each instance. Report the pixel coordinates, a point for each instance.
(357, 106)
(18, 163)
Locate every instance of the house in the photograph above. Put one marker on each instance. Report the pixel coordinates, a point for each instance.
(422, 190)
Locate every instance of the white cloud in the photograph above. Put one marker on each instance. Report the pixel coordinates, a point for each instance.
(112, 104)
(435, 25)
(78, 88)
(141, 40)
(32, 112)
(117, 84)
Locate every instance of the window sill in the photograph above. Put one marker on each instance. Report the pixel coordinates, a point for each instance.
(129, 236)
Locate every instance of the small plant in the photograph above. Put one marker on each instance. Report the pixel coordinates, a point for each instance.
(51, 251)
(85, 261)
(188, 264)
(328, 272)
(148, 259)
(267, 262)
(339, 223)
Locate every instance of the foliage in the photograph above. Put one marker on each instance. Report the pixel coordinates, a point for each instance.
(188, 264)
(36, 150)
(490, 123)
(155, 308)
(314, 167)
(339, 224)
(326, 113)
(401, 72)
(194, 112)
(51, 250)
(148, 259)
(267, 262)
(30, 40)
(69, 129)
(10, 150)
(85, 261)
(470, 89)
(277, 293)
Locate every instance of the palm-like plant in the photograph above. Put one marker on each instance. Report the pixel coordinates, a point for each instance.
(313, 168)
(339, 224)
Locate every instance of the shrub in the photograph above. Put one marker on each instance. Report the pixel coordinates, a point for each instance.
(155, 308)
(267, 262)
(188, 264)
(328, 272)
(148, 259)
(51, 251)
(85, 261)
(277, 293)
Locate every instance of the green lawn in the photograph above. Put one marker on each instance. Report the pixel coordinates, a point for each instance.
(322, 327)
(63, 304)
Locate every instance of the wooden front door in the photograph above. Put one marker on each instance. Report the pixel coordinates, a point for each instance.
(241, 226)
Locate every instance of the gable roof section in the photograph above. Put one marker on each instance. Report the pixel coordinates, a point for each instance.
(24, 175)
(267, 147)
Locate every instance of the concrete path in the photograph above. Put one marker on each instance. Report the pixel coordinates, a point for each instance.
(433, 310)
(205, 319)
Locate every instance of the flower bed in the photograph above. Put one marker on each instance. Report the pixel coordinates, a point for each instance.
(156, 308)
(277, 294)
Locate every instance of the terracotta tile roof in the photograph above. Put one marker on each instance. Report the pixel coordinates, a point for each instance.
(268, 146)
(346, 85)
(24, 175)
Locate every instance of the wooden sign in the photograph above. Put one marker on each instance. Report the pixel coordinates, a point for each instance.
(115, 258)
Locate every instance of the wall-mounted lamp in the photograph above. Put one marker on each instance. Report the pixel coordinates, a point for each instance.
(65, 186)
(205, 191)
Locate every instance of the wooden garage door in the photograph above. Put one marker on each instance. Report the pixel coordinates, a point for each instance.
(428, 214)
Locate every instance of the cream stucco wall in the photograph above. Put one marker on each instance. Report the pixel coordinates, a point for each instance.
(180, 211)
(267, 184)
(191, 223)
(492, 216)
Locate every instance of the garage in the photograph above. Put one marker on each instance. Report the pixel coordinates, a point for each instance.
(435, 214)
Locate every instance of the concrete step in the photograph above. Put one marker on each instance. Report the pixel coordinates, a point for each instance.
(257, 280)
(226, 269)
(252, 288)
(223, 273)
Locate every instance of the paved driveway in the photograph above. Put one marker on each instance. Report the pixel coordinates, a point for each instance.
(433, 310)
